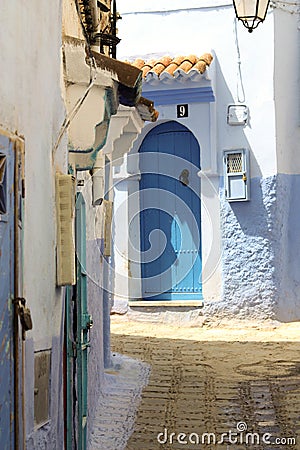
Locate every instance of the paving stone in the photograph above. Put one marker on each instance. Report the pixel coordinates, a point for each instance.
(197, 387)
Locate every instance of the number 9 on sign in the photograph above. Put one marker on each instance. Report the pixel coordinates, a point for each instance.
(182, 110)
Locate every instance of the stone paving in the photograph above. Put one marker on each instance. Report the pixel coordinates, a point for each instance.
(245, 393)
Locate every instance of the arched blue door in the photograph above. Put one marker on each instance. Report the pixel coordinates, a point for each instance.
(170, 213)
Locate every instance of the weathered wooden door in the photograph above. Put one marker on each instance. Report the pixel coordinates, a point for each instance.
(11, 203)
(82, 329)
(6, 292)
(78, 324)
(170, 214)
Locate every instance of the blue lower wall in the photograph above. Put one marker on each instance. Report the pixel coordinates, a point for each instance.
(261, 251)
(95, 308)
(288, 307)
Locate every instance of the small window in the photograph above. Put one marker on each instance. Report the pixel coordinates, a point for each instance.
(3, 188)
(236, 175)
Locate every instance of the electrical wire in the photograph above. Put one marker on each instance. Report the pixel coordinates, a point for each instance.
(70, 116)
(197, 8)
(239, 83)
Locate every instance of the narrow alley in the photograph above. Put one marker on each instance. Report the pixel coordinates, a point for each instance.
(149, 228)
(215, 388)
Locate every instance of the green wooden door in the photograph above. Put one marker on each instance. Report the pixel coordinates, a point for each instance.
(78, 324)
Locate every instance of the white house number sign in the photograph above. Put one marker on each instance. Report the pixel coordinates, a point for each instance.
(183, 110)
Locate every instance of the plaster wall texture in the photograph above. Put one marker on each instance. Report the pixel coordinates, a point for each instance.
(82, 130)
(258, 238)
(31, 105)
(97, 338)
(260, 253)
(251, 252)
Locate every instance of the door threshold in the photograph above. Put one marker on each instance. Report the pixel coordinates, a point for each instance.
(168, 303)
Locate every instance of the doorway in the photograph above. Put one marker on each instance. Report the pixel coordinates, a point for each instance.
(170, 214)
(12, 430)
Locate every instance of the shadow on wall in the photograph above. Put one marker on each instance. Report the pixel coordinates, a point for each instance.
(250, 232)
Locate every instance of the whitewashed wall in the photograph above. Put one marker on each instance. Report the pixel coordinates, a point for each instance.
(201, 30)
(31, 106)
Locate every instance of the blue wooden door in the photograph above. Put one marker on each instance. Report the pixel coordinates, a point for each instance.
(6, 293)
(170, 214)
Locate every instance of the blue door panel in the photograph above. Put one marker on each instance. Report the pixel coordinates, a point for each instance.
(170, 213)
(6, 293)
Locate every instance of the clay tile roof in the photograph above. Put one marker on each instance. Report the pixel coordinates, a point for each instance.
(139, 63)
(161, 64)
(169, 65)
(147, 67)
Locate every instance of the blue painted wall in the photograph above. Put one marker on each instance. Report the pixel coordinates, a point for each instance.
(95, 308)
(288, 217)
(260, 251)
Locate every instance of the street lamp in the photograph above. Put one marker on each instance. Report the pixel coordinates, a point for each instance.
(251, 12)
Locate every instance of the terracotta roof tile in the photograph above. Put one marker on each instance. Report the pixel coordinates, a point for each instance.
(168, 65)
(147, 67)
(161, 64)
(139, 63)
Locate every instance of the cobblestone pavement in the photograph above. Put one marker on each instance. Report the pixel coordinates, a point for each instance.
(211, 385)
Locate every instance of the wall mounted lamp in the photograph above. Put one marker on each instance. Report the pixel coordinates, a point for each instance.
(251, 12)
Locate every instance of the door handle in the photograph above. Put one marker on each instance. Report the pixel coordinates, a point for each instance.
(184, 177)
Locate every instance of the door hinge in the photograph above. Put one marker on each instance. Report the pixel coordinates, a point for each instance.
(87, 321)
(23, 188)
